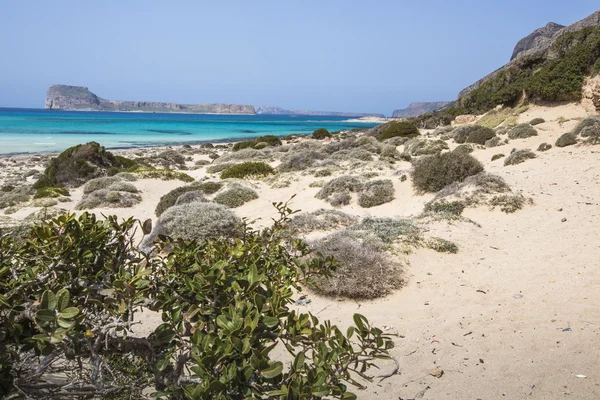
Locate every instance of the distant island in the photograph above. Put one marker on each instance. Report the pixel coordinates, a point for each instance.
(80, 98)
(307, 113)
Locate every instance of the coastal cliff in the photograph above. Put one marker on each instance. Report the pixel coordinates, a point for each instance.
(416, 109)
(79, 98)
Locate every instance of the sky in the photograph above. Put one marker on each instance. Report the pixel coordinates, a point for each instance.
(332, 55)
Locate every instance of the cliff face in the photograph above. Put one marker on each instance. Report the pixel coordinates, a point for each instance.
(537, 42)
(309, 113)
(416, 109)
(79, 98)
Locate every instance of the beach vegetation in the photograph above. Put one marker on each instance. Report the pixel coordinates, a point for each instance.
(51, 192)
(399, 129)
(522, 131)
(443, 206)
(508, 203)
(519, 156)
(537, 121)
(544, 147)
(321, 134)
(170, 199)
(419, 147)
(497, 156)
(247, 169)
(342, 184)
(19, 194)
(235, 196)
(566, 139)
(433, 173)
(164, 174)
(340, 199)
(442, 245)
(321, 220)
(269, 140)
(300, 160)
(376, 193)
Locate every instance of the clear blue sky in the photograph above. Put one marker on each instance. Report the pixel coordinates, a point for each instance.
(371, 56)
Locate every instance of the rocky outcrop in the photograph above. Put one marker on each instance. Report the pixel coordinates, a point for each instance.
(308, 113)
(79, 98)
(416, 109)
(537, 42)
(591, 94)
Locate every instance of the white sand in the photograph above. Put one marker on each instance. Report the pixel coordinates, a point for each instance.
(515, 314)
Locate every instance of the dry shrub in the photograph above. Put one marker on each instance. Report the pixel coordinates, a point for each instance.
(509, 203)
(544, 147)
(537, 121)
(247, 169)
(242, 155)
(444, 206)
(340, 199)
(522, 131)
(343, 184)
(321, 220)
(191, 197)
(300, 160)
(108, 198)
(421, 147)
(376, 193)
(389, 230)
(518, 157)
(567, 139)
(472, 134)
(15, 196)
(589, 122)
(217, 168)
(433, 173)
(463, 149)
(235, 196)
(365, 269)
(442, 245)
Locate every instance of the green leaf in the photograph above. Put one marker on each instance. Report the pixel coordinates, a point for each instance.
(63, 297)
(63, 323)
(69, 313)
(360, 320)
(44, 316)
(162, 364)
(299, 361)
(48, 300)
(274, 370)
(270, 321)
(348, 396)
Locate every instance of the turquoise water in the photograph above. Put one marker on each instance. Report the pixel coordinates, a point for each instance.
(36, 131)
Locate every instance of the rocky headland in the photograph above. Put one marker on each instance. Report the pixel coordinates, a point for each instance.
(416, 109)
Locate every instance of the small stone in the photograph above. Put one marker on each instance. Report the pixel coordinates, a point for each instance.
(518, 296)
(563, 220)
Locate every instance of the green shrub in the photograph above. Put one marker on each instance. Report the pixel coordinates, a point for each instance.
(51, 192)
(537, 121)
(497, 156)
(544, 147)
(246, 144)
(247, 285)
(522, 131)
(480, 135)
(519, 157)
(365, 270)
(209, 187)
(44, 202)
(235, 196)
(15, 196)
(433, 173)
(168, 200)
(99, 183)
(321, 134)
(217, 168)
(567, 139)
(463, 149)
(242, 155)
(399, 129)
(257, 143)
(376, 193)
(6, 188)
(508, 203)
(246, 169)
(78, 164)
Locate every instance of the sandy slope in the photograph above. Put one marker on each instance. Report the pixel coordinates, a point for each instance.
(515, 314)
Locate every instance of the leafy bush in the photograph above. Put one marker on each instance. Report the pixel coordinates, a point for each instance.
(343, 184)
(376, 193)
(399, 129)
(99, 183)
(537, 121)
(321, 134)
(544, 147)
(235, 196)
(321, 220)
(472, 134)
(365, 270)
(248, 296)
(519, 157)
(243, 170)
(522, 131)
(433, 173)
(209, 187)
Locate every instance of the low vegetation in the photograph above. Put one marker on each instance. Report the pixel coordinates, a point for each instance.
(376, 193)
(537, 121)
(544, 147)
(522, 131)
(247, 169)
(235, 196)
(399, 129)
(420, 147)
(108, 192)
(567, 139)
(518, 157)
(170, 199)
(321, 220)
(258, 143)
(342, 185)
(433, 173)
(321, 134)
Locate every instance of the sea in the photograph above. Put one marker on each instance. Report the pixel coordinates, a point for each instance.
(25, 131)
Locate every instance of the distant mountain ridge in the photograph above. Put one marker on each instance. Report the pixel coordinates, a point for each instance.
(79, 98)
(419, 108)
(539, 41)
(263, 110)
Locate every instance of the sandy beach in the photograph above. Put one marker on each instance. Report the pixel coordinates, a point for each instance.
(513, 315)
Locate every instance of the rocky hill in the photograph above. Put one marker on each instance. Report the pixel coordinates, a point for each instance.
(416, 109)
(308, 113)
(539, 41)
(79, 98)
